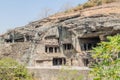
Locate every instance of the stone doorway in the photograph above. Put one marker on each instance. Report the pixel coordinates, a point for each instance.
(87, 44)
(59, 61)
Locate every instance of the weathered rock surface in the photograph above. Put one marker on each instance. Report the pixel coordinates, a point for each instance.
(101, 20)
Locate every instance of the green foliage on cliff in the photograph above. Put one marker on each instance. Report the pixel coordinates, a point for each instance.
(106, 55)
(11, 70)
(92, 3)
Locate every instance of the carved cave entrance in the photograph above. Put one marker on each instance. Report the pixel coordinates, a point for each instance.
(59, 61)
(52, 49)
(85, 61)
(67, 46)
(18, 39)
(88, 43)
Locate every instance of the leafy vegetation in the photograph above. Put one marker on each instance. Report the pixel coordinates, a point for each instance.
(106, 55)
(11, 70)
(92, 3)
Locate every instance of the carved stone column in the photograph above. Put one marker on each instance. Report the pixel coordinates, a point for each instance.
(13, 37)
(53, 49)
(25, 39)
(47, 49)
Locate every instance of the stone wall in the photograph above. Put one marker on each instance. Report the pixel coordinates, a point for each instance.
(57, 72)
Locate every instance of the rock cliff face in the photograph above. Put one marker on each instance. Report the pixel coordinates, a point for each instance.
(64, 38)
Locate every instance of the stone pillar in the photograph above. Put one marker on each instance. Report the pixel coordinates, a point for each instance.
(13, 37)
(47, 49)
(57, 50)
(71, 61)
(53, 49)
(77, 45)
(62, 61)
(25, 39)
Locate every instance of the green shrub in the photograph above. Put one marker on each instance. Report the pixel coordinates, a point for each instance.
(11, 70)
(106, 55)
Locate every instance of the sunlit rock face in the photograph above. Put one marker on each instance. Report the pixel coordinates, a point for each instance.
(62, 39)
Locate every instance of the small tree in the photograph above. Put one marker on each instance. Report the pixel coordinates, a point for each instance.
(107, 65)
(11, 70)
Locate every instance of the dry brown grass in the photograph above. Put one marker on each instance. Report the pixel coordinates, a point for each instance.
(89, 4)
